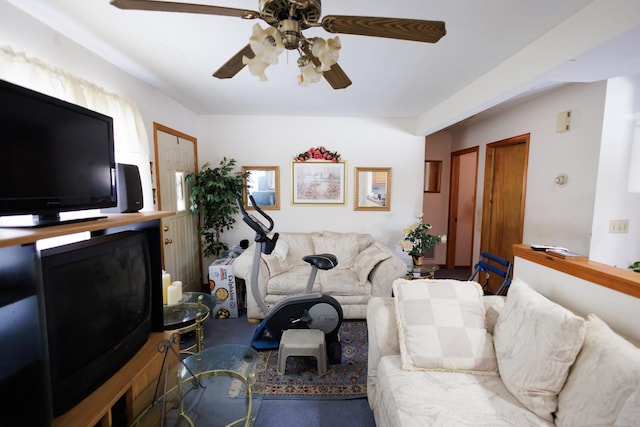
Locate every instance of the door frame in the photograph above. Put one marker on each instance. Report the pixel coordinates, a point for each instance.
(488, 183)
(454, 186)
(162, 128)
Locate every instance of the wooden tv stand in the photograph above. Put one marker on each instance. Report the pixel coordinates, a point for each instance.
(133, 385)
(135, 381)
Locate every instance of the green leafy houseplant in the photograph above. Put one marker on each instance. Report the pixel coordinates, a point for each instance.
(635, 267)
(417, 239)
(214, 196)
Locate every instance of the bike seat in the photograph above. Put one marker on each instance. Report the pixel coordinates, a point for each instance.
(322, 261)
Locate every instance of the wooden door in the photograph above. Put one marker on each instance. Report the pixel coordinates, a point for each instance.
(175, 158)
(504, 196)
(462, 207)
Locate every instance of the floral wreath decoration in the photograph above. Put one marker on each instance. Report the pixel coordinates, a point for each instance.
(318, 153)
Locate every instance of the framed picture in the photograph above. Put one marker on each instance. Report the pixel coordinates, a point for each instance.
(373, 189)
(318, 182)
(263, 183)
(432, 172)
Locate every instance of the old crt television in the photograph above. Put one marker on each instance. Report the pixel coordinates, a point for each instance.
(56, 156)
(97, 304)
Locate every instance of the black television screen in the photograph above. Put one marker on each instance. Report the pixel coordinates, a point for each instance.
(56, 156)
(97, 299)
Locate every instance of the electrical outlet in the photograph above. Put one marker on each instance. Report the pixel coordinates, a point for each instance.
(619, 226)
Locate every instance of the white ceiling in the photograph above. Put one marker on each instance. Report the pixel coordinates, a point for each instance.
(177, 53)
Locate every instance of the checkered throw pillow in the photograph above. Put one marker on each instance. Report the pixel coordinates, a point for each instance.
(441, 326)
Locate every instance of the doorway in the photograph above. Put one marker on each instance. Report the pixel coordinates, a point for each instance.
(176, 156)
(504, 196)
(462, 207)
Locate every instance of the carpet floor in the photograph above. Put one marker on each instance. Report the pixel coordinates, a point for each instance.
(346, 380)
(308, 412)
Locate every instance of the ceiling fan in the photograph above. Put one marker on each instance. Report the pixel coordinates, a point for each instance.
(287, 20)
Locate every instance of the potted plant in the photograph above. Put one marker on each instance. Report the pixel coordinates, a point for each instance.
(635, 267)
(417, 240)
(214, 196)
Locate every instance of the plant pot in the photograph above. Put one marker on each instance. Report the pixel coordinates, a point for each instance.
(417, 260)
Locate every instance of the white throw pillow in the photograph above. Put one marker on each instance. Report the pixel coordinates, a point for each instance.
(536, 342)
(343, 246)
(603, 387)
(277, 260)
(367, 259)
(441, 326)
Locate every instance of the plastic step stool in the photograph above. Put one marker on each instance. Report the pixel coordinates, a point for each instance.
(302, 342)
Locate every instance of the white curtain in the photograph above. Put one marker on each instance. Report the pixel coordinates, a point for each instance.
(131, 142)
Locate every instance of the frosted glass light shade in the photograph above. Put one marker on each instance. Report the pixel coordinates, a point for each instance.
(267, 46)
(328, 52)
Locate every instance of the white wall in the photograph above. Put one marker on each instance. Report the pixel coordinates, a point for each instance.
(613, 199)
(618, 310)
(436, 205)
(553, 215)
(273, 141)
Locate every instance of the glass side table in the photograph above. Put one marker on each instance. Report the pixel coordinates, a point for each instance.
(214, 388)
(424, 271)
(188, 315)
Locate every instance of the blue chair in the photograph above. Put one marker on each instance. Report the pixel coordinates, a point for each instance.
(489, 264)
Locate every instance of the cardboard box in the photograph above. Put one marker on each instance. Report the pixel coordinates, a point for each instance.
(222, 285)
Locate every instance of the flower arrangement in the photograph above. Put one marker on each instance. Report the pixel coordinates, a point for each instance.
(318, 153)
(417, 239)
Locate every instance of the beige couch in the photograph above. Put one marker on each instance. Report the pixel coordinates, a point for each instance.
(366, 268)
(519, 361)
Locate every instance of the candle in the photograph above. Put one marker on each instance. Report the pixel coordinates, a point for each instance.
(166, 281)
(172, 295)
(178, 285)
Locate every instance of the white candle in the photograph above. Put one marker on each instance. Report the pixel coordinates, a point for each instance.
(178, 285)
(166, 281)
(172, 295)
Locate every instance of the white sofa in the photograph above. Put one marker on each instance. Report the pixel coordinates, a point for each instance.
(366, 268)
(550, 367)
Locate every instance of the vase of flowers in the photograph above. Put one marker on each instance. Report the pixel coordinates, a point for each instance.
(417, 240)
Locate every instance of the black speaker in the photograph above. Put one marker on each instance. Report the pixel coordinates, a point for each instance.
(129, 189)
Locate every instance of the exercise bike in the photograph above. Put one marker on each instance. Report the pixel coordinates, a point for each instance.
(310, 310)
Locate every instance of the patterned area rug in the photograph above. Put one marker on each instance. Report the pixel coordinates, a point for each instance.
(347, 380)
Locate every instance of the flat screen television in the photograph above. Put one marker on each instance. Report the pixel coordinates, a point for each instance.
(56, 157)
(97, 310)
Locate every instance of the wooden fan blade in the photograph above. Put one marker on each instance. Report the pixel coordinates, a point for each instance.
(234, 65)
(169, 6)
(336, 77)
(390, 28)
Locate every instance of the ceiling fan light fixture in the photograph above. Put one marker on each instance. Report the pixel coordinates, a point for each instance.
(267, 46)
(309, 75)
(327, 51)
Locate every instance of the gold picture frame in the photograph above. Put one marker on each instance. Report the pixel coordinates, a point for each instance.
(263, 183)
(372, 189)
(318, 183)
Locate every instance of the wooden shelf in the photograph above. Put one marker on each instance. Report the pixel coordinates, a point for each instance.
(20, 236)
(619, 279)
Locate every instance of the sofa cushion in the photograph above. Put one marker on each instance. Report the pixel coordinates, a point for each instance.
(277, 260)
(364, 239)
(441, 326)
(603, 387)
(417, 399)
(343, 246)
(367, 259)
(341, 282)
(300, 245)
(292, 281)
(536, 342)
